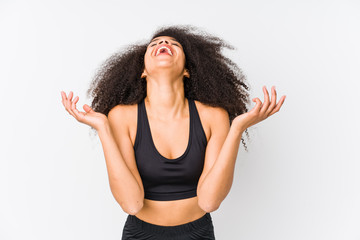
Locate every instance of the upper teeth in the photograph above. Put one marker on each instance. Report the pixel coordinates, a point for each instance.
(158, 51)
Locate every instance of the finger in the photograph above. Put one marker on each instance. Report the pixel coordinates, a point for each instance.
(257, 106)
(73, 107)
(79, 115)
(70, 95)
(278, 106)
(63, 97)
(273, 101)
(66, 102)
(71, 112)
(87, 108)
(76, 99)
(266, 103)
(70, 108)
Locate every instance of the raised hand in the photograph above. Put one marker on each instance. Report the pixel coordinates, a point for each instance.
(261, 111)
(89, 117)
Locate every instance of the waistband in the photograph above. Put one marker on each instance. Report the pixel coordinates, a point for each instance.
(177, 229)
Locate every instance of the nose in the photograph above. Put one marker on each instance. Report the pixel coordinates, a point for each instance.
(163, 41)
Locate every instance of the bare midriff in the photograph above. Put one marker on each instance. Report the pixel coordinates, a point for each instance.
(170, 213)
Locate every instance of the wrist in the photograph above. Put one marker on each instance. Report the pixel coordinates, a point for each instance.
(103, 128)
(238, 127)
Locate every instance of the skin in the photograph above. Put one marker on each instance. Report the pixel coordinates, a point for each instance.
(167, 108)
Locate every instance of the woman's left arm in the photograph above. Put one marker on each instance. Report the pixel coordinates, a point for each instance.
(222, 149)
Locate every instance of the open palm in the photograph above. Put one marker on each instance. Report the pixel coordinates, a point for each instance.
(261, 111)
(89, 117)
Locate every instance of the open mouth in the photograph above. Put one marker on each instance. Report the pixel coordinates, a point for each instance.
(163, 50)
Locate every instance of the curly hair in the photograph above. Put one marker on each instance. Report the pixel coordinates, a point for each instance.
(215, 80)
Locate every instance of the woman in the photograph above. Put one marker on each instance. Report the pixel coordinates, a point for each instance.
(170, 114)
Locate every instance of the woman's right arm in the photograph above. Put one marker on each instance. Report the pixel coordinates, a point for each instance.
(125, 187)
(124, 178)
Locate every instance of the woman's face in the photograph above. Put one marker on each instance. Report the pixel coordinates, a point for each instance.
(164, 53)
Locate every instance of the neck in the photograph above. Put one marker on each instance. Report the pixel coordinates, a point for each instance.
(165, 98)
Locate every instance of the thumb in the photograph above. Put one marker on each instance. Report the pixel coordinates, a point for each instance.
(87, 108)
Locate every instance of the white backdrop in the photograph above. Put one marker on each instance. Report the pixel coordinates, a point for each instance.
(300, 178)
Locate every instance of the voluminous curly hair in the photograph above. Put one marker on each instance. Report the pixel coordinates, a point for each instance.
(215, 80)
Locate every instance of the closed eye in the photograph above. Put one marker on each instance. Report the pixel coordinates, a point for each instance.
(156, 43)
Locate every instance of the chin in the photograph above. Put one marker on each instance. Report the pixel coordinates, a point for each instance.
(165, 65)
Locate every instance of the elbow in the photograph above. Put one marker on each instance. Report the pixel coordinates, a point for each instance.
(132, 209)
(208, 206)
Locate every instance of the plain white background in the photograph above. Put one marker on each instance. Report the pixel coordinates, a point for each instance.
(300, 178)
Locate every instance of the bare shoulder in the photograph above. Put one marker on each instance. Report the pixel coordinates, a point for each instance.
(124, 117)
(123, 111)
(213, 113)
(211, 116)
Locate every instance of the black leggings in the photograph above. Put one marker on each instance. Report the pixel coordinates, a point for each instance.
(136, 228)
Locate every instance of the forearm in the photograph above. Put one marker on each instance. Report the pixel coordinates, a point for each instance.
(123, 184)
(217, 183)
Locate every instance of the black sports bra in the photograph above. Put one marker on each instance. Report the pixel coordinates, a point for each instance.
(169, 179)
